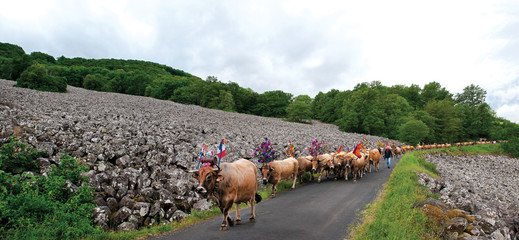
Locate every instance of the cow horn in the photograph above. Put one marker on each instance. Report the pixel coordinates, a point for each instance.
(192, 171)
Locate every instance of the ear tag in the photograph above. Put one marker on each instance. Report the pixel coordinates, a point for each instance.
(220, 178)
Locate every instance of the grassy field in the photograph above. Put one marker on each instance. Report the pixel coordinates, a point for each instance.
(393, 215)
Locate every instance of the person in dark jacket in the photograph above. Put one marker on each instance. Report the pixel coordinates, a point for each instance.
(387, 155)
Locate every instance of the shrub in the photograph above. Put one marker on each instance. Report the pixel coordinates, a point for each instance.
(512, 147)
(44, 207)
(17, 157)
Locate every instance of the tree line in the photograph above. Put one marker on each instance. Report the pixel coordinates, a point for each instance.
(409, 113)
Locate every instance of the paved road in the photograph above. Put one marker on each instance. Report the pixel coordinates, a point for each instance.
(311, 211)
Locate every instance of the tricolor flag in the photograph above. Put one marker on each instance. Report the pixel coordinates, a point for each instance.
(221, 150)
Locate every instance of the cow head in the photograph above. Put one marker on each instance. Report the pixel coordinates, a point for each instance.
(207, 177)
(330, 164)
(266, 170)
(315, 163)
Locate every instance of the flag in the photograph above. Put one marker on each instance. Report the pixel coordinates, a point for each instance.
(356, 151)
(202, 153)
(221, 150)
(338, 151)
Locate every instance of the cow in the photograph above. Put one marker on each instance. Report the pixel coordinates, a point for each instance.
(305, 165)
(345, 167)
(374, 158)
(358, 165)
(396, 151)
(337, 167)
(232, 183)
(321, 163)
(278, 170)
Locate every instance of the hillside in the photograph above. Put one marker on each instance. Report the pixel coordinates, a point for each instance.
(138, 148)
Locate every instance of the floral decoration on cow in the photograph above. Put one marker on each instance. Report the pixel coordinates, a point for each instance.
(317, 148)
(366, 143)
(265, 152)
(291, 150)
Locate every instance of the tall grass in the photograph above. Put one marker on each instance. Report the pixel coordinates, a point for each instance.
(393, 215)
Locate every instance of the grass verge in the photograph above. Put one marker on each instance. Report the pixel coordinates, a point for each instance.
(392, 214)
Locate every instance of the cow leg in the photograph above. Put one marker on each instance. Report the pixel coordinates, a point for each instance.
(238, 217)
(225, 212)
(227, 220)
(294, 181)
(274, 189)
(320, 174)
(252, 203)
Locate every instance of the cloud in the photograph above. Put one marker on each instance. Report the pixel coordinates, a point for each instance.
(509, 111)
(301, 47)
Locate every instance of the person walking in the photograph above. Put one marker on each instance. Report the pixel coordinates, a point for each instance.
(387, 155)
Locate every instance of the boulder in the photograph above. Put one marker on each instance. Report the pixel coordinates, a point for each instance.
(457, 224)
(101, 216)
(121, 215)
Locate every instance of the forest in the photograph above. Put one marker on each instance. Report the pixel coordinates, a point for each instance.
(411, 114)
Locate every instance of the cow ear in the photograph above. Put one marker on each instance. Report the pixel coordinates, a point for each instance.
(272, 169)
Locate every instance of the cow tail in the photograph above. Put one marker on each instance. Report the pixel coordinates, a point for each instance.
(257, 198)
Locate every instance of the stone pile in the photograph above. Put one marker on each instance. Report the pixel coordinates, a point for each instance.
(138, 148)
(479, 196)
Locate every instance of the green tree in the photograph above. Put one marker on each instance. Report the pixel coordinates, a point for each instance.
(272, 104)
(36, 77)
(11, 50)
(434, 92)
(476, 115)
(94, 82)
(448, 125)
(43, 58)
(411, 94)
(413, 132)
(300, 110)
(226, 101)
(472, 96)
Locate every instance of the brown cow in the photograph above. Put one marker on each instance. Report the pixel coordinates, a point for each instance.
(396, 151)
(232, 183)
(275, 171)
(345, 166)
(374, 158)
(321, 163)
(358, 165)
(305, 165)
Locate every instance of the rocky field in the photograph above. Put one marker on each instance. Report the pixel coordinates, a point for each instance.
(138, 148)
(485, 187)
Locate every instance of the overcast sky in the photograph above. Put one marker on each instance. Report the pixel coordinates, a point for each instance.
(300, 47)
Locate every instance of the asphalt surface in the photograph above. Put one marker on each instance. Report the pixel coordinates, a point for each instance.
(313, 211)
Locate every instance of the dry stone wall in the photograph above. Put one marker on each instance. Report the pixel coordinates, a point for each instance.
(138, 149)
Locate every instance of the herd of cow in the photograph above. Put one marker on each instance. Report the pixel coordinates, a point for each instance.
(236, 182)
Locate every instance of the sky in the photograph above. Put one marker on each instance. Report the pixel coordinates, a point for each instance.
(297, 46)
